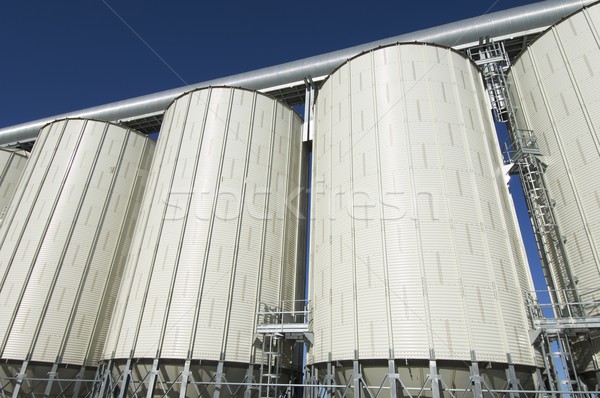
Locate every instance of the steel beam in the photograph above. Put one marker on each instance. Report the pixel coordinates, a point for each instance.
(435, 377)
(51, 377)
(218, 380)
(475, 377)
(185, 375)
(80, 376)
(20, 376)
(152, 380)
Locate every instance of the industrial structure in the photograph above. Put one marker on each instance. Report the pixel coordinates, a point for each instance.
(64, 242)
(183, 273)
(553, 86)
(12, 163)
(415, 250)
(217, 233)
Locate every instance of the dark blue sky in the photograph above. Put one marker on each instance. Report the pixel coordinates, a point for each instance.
(61, 56)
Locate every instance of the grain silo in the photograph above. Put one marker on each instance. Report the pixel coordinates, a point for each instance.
(217, 234)
(555, 85)
(12, 164)
(417, 273)
(63, 244)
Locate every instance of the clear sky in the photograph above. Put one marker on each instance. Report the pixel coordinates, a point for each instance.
(61, 56)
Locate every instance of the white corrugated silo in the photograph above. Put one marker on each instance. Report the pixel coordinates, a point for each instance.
(555, 84)
(63, 245)
(217, 234)
(415, 250)
(12, 164)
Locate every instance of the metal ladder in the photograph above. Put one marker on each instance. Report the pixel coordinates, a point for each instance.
(525, 156)
(270, 365)
(526, 160)
(557, 349)
(278, 326)
(547, 233)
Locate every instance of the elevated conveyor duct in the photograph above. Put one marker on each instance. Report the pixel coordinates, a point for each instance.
(514, 22)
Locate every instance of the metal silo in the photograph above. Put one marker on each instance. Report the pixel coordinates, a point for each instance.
(417, 270)
(63, 245)
(12, 164)
(555, 86)
(217, 234)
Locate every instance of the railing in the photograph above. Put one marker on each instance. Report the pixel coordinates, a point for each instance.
(564, 313)
(290, 316)
(521, 142)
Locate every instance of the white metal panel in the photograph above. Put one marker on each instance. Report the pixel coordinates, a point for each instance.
(221, 180)
(12, 165)
(26, 247)
(411, 125)
(557, 82)
(113, 343)
(124, 204)
(26, 194)
(42, 285)
(63, 220)
(181, 309)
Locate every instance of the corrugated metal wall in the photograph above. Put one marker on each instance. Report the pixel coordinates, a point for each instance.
(12, 164)
(65, 237)
(414, 243)
(556, 86)
(217, 230)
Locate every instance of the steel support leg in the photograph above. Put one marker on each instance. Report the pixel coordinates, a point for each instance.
(97, 383)
(152, 379)
(392, 376)
(185, 375)
(249, 379)
(105, 379)
(126, 378)
(51, 377)
(511, 376)
(334, 390)
(475, 377)
(356, 376)
(329, 379)
(435, 378)
(218, 380)
(20, 378)
(539, 383)
(314, 381)
(79, 377)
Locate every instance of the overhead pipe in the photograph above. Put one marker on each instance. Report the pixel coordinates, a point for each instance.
(504, 23)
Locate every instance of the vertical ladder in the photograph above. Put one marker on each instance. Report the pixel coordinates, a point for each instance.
(523, 152)
(547, 233)
(270, 365)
